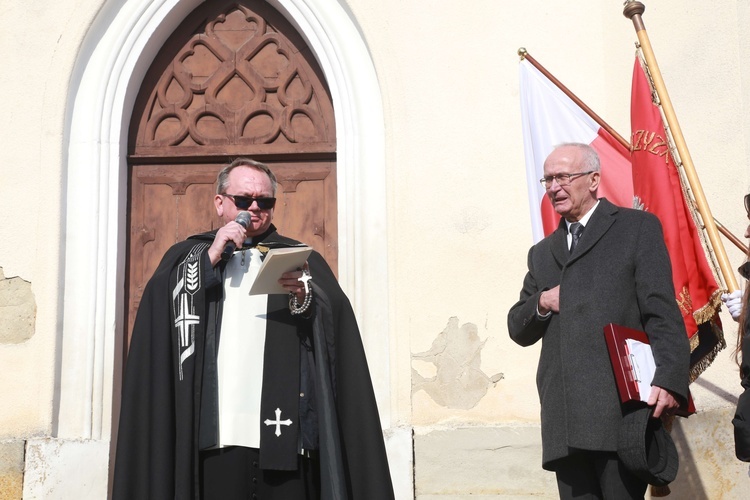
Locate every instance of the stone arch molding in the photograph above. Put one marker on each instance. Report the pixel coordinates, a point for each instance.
(113, 59)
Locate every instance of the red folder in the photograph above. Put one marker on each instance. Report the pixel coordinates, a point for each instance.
(627, 386)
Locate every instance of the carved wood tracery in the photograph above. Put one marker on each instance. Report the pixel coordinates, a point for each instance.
(236, 83)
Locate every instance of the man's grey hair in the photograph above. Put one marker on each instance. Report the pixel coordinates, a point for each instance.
(590, 158)
(222, 180)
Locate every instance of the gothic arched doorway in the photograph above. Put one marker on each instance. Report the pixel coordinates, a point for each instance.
(234, 79)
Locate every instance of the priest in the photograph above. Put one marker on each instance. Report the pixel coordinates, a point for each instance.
(230, 395)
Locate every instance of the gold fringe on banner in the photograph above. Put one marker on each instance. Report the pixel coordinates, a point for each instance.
(700, 366)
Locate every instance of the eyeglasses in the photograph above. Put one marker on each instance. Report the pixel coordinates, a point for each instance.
(562, 179)
(747, 204)
(245, 202)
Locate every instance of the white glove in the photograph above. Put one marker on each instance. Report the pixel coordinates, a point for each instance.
(733, 301)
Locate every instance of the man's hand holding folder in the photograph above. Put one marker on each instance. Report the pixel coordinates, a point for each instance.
(634, 368)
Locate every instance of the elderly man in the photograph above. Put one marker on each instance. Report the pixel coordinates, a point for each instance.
(229, 395)
(604, 264)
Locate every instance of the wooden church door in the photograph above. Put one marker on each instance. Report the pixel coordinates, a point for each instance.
(235, 79)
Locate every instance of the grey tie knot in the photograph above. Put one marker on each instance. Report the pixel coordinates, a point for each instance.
(576, 230)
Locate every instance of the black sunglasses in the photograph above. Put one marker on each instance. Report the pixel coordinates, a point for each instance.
(747, 204)
(245, 202)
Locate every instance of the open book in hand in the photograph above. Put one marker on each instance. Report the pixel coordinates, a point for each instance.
(277, 262)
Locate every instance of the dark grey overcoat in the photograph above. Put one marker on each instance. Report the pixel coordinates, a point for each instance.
(619, 273)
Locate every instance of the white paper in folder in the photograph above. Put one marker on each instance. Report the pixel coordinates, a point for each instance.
(644, 367)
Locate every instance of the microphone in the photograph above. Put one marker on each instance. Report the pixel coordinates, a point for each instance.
(243, 219)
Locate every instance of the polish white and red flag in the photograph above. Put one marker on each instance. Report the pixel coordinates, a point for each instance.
(549, 118)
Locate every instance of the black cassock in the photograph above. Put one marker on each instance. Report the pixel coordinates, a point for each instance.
(169, 399)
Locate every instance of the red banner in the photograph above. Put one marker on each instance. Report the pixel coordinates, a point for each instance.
(657, 187)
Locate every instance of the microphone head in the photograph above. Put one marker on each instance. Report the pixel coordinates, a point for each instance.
(243, 219)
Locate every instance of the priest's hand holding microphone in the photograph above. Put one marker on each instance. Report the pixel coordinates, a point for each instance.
(229, 238)
(232, 236)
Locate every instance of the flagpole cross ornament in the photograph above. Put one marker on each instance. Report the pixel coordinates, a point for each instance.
(633, 11)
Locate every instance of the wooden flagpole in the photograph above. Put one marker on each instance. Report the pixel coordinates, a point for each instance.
(633, 10)
(524, 54)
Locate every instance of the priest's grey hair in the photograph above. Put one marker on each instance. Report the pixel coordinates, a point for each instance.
(222, 180)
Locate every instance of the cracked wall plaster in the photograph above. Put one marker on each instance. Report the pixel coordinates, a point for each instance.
(17, 310)
(458, 381)
(471, 220)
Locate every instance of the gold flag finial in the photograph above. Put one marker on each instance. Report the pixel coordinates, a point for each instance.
(633, 11)
(633, 5)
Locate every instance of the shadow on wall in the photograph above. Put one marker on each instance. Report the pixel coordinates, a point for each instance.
(455, 355)
(688, 478)
(708, 468)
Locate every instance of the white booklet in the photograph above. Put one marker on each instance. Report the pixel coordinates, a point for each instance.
(277, 262)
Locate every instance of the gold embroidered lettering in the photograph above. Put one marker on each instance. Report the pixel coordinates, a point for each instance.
(684, 301)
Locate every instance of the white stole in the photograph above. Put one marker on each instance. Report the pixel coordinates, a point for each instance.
(241, 347)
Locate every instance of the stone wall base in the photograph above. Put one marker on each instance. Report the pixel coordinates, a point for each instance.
(504, 462)
(456, 463)
(64, 469)
(11, 469)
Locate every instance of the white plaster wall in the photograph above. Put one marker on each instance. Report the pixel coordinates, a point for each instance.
(457, 201)
(458, 219)
(39, 43)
